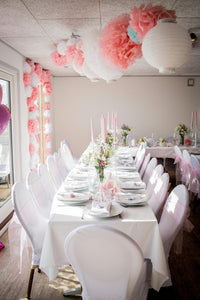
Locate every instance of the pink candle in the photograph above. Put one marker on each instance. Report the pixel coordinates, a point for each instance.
(116, 119)
(196, 117)
(192, 119)
(101, 126)
(104, 129)
(112, 125)
(92, 130)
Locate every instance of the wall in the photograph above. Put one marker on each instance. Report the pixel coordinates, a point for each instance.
(148, 104)
(12, 62)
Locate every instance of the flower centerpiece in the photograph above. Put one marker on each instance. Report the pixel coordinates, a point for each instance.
(109, 139)
(182, 130)
(100, 159)
(142, 141)
(163, 141)
(125, 130)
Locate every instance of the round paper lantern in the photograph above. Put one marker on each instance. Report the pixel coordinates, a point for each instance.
(166, 46)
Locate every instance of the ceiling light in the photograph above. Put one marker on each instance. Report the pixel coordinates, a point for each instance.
(166, 46)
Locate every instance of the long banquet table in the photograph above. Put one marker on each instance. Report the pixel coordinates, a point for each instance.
(139, 222)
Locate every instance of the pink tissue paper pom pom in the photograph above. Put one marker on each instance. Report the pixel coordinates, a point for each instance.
(27, 68)
(31, 64)
(30, 102)
(38, 70)
(35, 93)
(47, 89)
(115, 46)
(47, 120)
(31, 148)
(47, 106)
(48, 137)
(33, 127)
(27, 79)
(28, 91)
(46, 76)
(70, 53)
(59, 60)
(79, 57)
(145, 17)
(33, 108)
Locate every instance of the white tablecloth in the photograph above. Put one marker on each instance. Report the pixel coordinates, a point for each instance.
(138, 222)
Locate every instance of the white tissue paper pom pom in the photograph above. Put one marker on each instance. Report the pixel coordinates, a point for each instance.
(89, 73)
(34, 142)
(47, 98)
(27, 68)
(94, 60)
(61, 48)
(35, 81)
(47, 113)
(34, 160)
(48, 145)
(28, 91)
(33, 115)
(48, 128)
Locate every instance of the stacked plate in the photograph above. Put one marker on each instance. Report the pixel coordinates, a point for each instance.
(73, 198)
(133, 186)
(75, 186)
(129, 199)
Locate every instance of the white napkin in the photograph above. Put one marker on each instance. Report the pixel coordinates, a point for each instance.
(101, 209)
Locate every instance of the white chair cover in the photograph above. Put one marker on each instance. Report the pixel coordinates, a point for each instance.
(194, 184)
(33, 222)
(60, 164)
(144, 165)
(65, 142)
(40, 197)
(107, 262)
(178, 162)
(140, 159)
(157, 172)
(138, 152)
(67, 157)
(54, 171)
(149, 169)
(46, 180)
(173, 215)
(187, 167)
(159, 193)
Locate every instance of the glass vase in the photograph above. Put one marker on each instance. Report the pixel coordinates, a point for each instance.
(124, 140)
(182, 139)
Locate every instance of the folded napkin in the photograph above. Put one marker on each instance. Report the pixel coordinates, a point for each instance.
(101, 209)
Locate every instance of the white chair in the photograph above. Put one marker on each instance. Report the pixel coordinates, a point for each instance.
(41, 198)
(4, 164)
(138, 152)
(173, 215)
(159, 193)
(178, 162)
(60, 164)
(186, 168)
(54, 171)
(67, 157)
(107, 262)
(156, 173)
(144, 164)
(32, 222)
(46, 180)
(65, 142)
(149, 169)
(194, 184)
(140, 158)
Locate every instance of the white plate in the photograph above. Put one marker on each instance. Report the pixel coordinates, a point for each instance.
(73, 197)
(116, 210)
(75, 186)
(131, 199)
(132, 185)
(126, 168)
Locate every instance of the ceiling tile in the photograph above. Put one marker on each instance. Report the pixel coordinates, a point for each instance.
(63, 28)
(15, 20)
(51, 9)
(32, 46)
(187, 8)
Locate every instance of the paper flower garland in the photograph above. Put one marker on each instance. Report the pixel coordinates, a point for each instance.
(34, 75)
(107, 54)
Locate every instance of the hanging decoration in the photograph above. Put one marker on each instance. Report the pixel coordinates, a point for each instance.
(34, 76)
(4, 113)
(109, 53)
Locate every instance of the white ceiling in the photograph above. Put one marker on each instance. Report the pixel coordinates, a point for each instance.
(34, 27)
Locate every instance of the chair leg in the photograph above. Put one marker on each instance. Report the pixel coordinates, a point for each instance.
(28, 293)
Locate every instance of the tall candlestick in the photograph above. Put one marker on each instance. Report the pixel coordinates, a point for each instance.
(115, 127)
(192, 119)
(112, 123)
(196, 117)
(116, 119)
(92, 130)
(108, 121)
(104, 129)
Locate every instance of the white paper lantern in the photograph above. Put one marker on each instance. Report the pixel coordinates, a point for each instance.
(166, 46)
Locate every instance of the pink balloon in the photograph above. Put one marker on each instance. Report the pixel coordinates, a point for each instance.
(1, 93)
(4, 117)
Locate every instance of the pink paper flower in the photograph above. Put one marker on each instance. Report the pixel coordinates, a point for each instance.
(115, 46)
(145, 17)
(31, 148)
(79, 58)
(48, 151)
(47, 106)
(27, 79)
(48, 137)
(58, 59)
(70, 53)
(33, 127)
(31, 64)
(47, 88)
(30, 102)
(38, 70)
(47, 120)
(33, 108)
(46, 76)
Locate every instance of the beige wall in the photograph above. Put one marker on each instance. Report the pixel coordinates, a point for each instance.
(148, 104)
